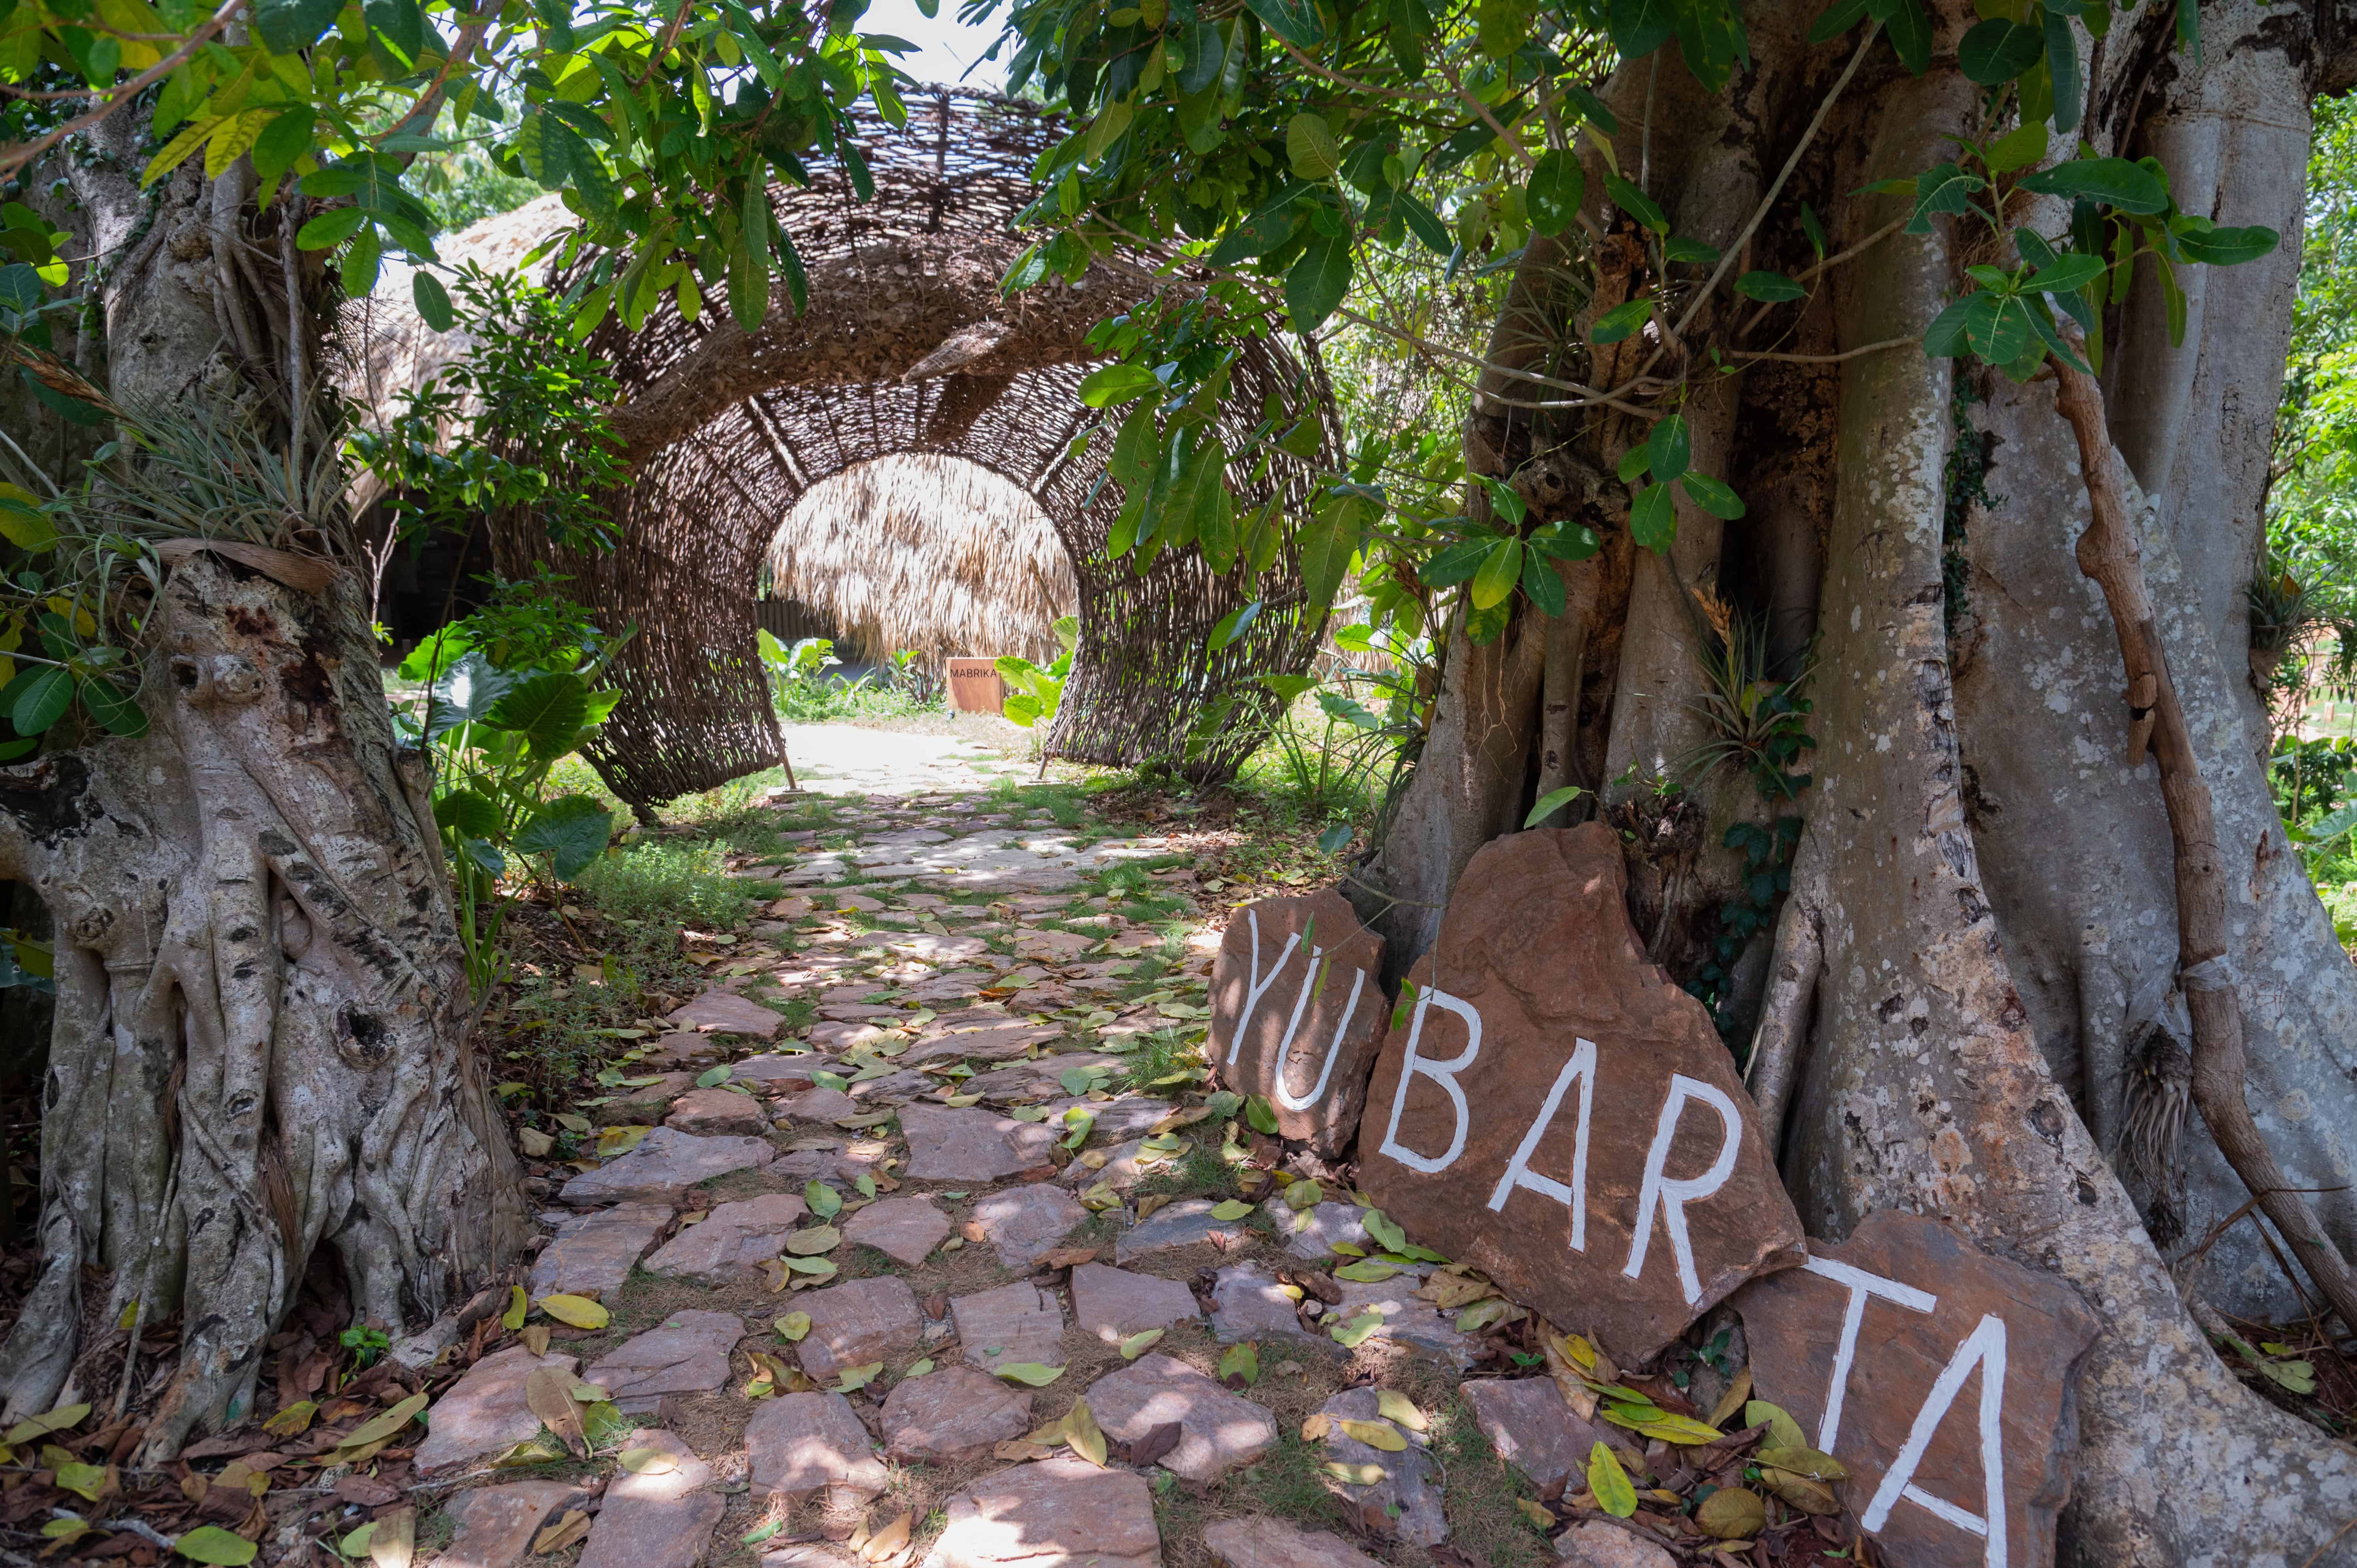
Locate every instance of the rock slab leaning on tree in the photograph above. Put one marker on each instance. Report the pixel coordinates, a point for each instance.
(1298, 1013)
(1552, 1110)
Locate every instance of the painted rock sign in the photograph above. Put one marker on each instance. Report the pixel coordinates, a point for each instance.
(1297, 1012)
(1553, 1111)
(1941, 1378)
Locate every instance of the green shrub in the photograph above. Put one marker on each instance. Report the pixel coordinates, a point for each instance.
(679, 882)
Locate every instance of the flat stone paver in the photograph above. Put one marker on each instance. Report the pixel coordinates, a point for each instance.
(1026, 1223)
(496, 1524)
(1409, 1493)
(731, 1240)
(1113, 1304)
(1186, 1223)
(687, 1353)
(1527, 1422)
(949, 1413)
(1247, 1304)
(655, 1519)
(905, 1229)
(969, 1143)
(1312, 1232)
(593, 1254)
(858, 1322)
(716, 1112)
(821, 1106)
(802, 1442)
(484, 1411)
(1263, 1542)
(726, 1012)
(1218, 1431)
(1062, 1512)
(1010, 1326)
(663, 1166)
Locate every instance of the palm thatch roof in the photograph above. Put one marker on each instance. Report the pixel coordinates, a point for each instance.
(931, 552)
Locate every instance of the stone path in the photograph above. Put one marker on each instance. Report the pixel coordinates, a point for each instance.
(931, 1178)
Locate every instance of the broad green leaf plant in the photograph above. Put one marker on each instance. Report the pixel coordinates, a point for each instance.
(1337, 165)
(662, 123)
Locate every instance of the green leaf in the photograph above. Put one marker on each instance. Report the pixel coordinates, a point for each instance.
(24, 525)
(470, 813)
(2213, 247)
(1668, 449)
(1240, 1361)
(1998, 50)
(2018, 149)
(1110, 385)
(115, 709)
(1910, 29)
(43, 701)
(329, 230)
(1620, 321)
(1712, 495)
(1328, 541)
(1943, 188)
(1640, 27)
(1310, 148)
(1558, 187)
(1261, 1114)
(2062, 63)
(1768, 288)
(2130, 187)
(748, 287)
(1636, 204)
(1034, 1374)
(823, 1200)
(2068, 273)
(548, 710)
(433, 300)
(1548, 804)
(1610, 1482)
(211, 1543)
(1542, 583)
(572, 830)
(1652, 520)
(286, 25)
(1839, 18)
(1295, 21)
(1998, 328)
(1501, 568)
(1230, 1208)
(1315, 286)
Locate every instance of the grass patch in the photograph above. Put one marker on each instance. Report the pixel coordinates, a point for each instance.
(686, 881)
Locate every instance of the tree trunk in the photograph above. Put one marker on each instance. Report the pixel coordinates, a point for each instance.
(259, 1042)
(1971, 1008)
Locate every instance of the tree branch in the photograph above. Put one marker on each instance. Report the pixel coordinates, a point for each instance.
(2108, 554)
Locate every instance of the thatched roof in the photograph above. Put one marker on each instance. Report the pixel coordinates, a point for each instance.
(930, 553)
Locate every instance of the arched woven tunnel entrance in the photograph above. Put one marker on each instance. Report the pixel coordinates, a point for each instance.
(906, 347)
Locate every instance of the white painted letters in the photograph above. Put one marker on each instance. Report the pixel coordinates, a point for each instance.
(1282, 1095)
(1861, 1285)
(1443, 1073)
(1983, 1347)
(1254, 986)
(1582, 1065)
(1672, 1196)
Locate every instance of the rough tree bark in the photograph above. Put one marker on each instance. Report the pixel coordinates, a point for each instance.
(258, 1058)
(1971, 996)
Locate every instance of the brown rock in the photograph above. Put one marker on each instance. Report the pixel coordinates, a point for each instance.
(1408, 1495)
(1527, 1422)
(1300, 1021)
(1874, 1329)
(858, 1322)
(1590, 1076)
(1264, 1543)
(593, 1254)
(949, 1414)
(1024, 1223)
(687, 1353)
(967, 1143)
(1218, 1431)
(726, 1012)
(666, 1163)
(799, 1443)
(731, 1240)
(1113, 1304)
(651, 1519)
(1603, 1543)
(645, 1104)
(717, 1111)
(484, 1412)
(680, 1049)
(905, 1229)
(1062, 1512)
(496, 1524)
(1010, 1326)
(819, 1104)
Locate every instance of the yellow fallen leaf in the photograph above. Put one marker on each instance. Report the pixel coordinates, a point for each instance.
(573, 1527)
(1354, 1475)
(1083, 1435)
(1033, 1373)
(578, 1311)
(1315, 1429)
(1610, 1482)
(1397, 1407)
(294, 1420)
(649, 1461)
(1138, 1345)
(1535, 1513)
(889, 1542)
(519, 1306)
(1380, 1434)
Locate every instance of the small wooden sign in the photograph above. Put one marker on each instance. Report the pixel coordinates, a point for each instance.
(976, 686)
